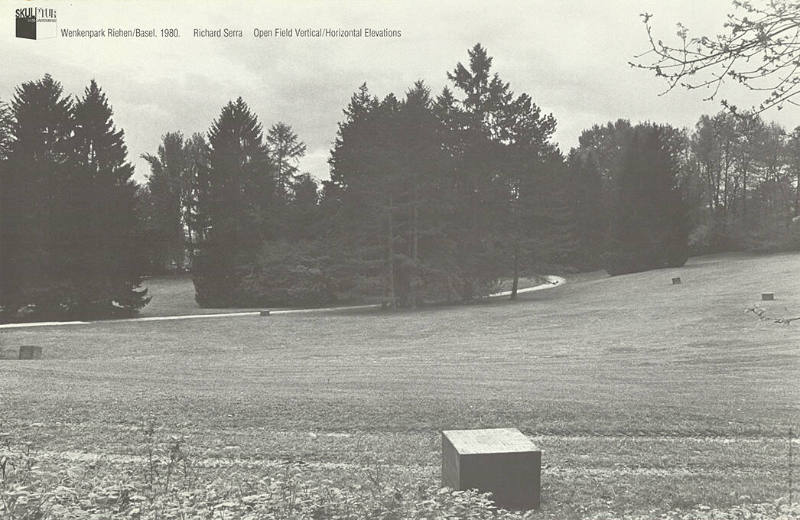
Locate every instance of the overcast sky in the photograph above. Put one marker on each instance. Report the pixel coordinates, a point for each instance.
(570, 56)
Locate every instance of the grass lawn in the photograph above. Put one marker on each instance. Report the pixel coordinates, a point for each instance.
(173, 296)
(646, 398)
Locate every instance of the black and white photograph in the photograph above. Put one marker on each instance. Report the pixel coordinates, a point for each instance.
(351, 259)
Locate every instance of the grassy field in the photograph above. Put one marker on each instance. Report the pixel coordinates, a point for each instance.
(647, 399)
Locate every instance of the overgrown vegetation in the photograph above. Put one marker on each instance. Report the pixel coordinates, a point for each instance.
(163, 477)
(163, 481)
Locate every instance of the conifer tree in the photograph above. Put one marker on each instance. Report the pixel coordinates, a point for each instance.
(68, 216)
(584, 188)
(483, 96)
(168, 171)
(107, 267)
(285, 149)
(503, 141)
(241, 190)
(32, 186)
(649, 225)
(195, 186)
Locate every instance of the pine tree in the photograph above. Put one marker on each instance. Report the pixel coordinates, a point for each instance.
(68, 209)
(168, 172)
(285, 150)
(504, 141)
(649, 227)
(107, 272)
(196, 189)
(476, 168)
(32, 187)
(428, 267)
(584, 192)
(241, 190)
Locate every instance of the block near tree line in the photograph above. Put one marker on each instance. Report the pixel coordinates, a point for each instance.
(263, 313)
(767, 296)
(676, 280)
(30, 352)
(502, 461)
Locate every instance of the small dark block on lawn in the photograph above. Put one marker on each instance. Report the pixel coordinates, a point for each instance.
(502, 461)
(264, 313)
(30, 352)
(676, 281)
(767, 296)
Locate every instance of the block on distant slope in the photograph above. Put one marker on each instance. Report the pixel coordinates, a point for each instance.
(676, 281)
(767, 296)
(502, 461)
(30, 352)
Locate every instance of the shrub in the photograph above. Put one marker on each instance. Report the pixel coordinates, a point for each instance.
(281, 274)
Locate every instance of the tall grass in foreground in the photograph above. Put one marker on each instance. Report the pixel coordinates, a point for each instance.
(163, 480)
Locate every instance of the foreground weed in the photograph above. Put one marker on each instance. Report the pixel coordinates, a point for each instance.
(21, 490)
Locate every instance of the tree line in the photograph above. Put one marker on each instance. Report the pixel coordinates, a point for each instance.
(68, 222)
(431, 198)
(738, 176)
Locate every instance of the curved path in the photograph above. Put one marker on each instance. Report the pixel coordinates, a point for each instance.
(552, 281)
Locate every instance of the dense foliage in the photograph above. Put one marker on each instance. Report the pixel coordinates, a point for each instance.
(431, 198)
(67, 215)
(738, 179)
(649, 225)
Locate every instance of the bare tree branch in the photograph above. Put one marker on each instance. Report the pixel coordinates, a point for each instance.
(759, 49)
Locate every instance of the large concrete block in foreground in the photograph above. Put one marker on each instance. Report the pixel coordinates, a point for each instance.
(502, 461)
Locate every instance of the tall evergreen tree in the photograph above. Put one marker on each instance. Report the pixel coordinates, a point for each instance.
(285, 150)
(107, 273)
(477, 121)
(366, 162)
(426, 251)
(196, 189)
(649, 227)
(68, 215)
(38, 161)
(168, 172)
(505, 143)
(584, 185)
(241, 190)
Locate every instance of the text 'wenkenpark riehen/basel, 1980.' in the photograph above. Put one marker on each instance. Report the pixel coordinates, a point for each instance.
(110, 32)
